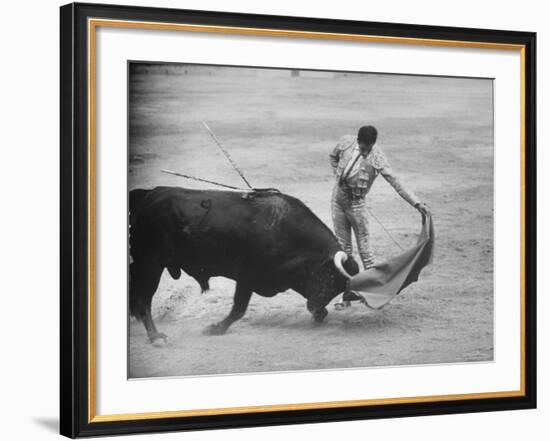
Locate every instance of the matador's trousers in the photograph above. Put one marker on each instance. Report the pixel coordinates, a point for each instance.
(351, 214)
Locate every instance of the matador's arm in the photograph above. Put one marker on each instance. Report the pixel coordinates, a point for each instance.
(344, 143)
(381, 163)
(398, 186)
(335, 157)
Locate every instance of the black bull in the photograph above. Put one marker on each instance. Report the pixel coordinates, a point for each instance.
(267, 242)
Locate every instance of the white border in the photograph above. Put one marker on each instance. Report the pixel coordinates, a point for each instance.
(114, 394)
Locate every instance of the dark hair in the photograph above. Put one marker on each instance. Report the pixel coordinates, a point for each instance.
(367, 135)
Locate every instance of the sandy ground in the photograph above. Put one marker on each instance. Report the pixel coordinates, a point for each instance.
(436, 132)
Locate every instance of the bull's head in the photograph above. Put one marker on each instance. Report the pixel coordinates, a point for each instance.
(328, 281)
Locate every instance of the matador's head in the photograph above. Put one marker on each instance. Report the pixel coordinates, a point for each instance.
(366, 138)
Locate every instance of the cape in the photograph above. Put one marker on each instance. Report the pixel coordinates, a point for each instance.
(382, 282)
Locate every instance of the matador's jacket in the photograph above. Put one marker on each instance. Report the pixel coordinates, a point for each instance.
(355, 175)
(358, 181)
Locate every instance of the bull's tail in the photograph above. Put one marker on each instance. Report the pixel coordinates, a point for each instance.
(133, 300)
(135, 199)
(134, 306)
(134, 202)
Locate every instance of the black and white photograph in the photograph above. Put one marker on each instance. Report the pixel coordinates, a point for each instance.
(275, 220)
(290, 219)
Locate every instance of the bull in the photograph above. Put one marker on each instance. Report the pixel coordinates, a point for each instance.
(267, 241)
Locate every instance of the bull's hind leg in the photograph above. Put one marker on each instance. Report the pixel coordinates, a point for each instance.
(240, 304)
(144, 281)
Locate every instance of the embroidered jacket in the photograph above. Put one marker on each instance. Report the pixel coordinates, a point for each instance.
(358, 181)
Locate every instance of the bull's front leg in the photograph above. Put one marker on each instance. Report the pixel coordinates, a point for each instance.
(240, 304)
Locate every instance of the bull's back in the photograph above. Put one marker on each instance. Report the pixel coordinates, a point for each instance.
(225, 229)
(198, 211)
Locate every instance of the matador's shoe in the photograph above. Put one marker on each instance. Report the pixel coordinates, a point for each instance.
(347, 298)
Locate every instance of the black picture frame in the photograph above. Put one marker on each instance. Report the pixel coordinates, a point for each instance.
(76, 418)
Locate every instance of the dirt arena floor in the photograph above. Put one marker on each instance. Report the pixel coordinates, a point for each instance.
(437, 134)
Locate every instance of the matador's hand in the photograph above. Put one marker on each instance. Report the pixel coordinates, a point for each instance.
(423, 208)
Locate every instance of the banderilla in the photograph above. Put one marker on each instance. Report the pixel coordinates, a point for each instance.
(170, 172)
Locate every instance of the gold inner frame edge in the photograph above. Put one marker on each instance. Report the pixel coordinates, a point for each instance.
(92, 24)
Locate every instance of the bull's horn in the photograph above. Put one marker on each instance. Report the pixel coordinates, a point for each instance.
(339, 258)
